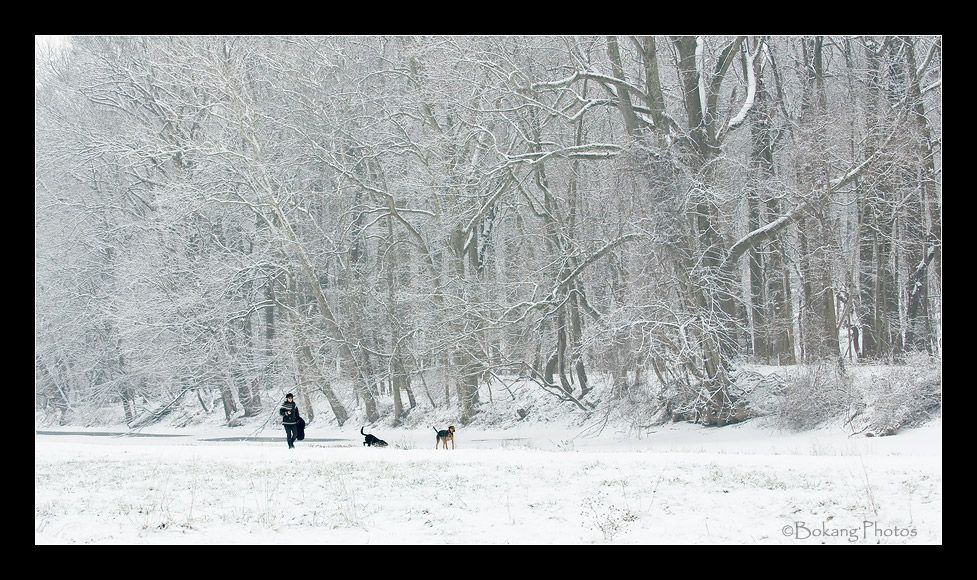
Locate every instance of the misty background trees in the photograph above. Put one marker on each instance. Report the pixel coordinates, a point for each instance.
(384, 222)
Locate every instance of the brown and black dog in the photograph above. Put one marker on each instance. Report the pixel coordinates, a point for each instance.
(444, 436)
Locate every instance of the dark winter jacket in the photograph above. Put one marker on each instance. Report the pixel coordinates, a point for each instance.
(289, 412)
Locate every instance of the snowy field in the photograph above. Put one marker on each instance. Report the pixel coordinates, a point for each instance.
(681, 484)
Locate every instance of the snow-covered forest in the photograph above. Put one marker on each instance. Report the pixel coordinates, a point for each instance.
(664, 226)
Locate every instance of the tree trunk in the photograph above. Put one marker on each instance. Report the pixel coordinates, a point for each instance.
(338, 409)
(228, 402)
(926, 236)
(769, 289)
(248, 394)
(878, 306)
(466, 383)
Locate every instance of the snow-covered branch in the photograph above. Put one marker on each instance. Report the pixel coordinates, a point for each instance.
(751, 84)
(588, 151)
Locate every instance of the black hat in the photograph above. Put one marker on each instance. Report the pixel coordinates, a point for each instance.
(288, 396)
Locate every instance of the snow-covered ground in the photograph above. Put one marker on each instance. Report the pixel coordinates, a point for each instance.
(679, 484)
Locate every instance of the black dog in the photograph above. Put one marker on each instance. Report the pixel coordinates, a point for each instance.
(372, 441)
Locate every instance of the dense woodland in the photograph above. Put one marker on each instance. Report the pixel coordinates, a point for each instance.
(390, 221)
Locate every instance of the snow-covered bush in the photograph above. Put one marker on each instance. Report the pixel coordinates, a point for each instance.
(866, 398)
(904, 395)
(815, 394)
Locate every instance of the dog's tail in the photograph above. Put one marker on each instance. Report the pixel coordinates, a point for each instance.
(361, 432)
(435, 429)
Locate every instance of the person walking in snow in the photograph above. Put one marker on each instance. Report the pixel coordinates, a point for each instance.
(290, 418)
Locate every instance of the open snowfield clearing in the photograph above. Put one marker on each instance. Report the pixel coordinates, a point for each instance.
(683, 484)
